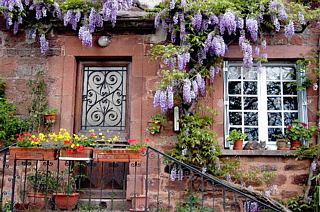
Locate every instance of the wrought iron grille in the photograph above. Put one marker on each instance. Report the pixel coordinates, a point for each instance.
(104, 98)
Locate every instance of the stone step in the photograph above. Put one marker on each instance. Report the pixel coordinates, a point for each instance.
(104, 193)
(106, 204)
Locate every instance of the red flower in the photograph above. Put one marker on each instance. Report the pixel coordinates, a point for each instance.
(67, 142)
(146, 140)
(69, 151)
(318, 130)
(304, 124)
(142, 150)
(131, 140)
(80, 148)
(289, 127)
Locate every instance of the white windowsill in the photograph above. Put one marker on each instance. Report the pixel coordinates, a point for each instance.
(229, 152)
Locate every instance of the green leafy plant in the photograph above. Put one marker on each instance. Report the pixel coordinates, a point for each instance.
(192, 203)
(298, 205)
(50, 110)
(42, 181)
(236, 135)
(197, 143)
(300, 131)
(157, 121)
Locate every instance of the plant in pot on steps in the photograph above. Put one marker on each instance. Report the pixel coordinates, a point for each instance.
(66, 197)
(236, 138)
(32, 147)
(42, 184)
(299, 134)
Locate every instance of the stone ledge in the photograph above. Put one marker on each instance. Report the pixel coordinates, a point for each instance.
(228, 152)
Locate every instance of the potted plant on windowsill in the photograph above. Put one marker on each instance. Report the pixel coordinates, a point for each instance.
(50, 115)
(67, 196)
(236, 138)
(32, 147)
(298, 133)
(43, 184)
(282, 142)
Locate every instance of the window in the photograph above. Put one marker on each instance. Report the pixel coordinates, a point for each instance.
(262, 102)
(103, 90)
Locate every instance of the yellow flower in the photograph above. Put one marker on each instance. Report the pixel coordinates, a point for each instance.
(72, 145)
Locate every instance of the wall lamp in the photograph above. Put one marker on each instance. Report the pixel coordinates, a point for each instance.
(104, 41)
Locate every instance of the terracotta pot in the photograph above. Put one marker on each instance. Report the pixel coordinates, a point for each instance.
(65, 201)
(85, 154)
(295, 144)
(116, 155)
(237, 145)
(138, 203)
(282, 144)
(50, 118)
(38, 201)
(32, 153)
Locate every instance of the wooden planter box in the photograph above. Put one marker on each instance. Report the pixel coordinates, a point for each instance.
(116, 155)
(32, 153)
(86, 154)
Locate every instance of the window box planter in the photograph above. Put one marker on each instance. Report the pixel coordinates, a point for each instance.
(85, 154)
(32, 153)
(116, 155)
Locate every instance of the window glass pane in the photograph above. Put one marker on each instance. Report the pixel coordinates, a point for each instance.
(250, 74)
(234, 72)
(234, 87)
(289, 117)
(274, 119)
(288, 73)
(250, 103)
(235, 118)
(250, 88)
(290, 103)
(274, 88)
(289, 88)
(252, 133)
(272, 132)
(251, 118)
(234, 103)
(274, 103)
(273, 73)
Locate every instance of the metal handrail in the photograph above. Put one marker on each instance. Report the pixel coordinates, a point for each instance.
(211, 178)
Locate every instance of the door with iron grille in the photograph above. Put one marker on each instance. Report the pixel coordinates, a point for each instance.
(102, 105)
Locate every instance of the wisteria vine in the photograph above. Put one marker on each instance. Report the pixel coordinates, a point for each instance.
(199, 32)
(84, 16)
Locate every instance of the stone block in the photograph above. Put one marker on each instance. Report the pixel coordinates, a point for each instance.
(300, 179)
(279, 180)
(286, 194)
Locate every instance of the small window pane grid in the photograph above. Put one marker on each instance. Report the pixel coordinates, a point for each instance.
(261, 103)
(104, 98)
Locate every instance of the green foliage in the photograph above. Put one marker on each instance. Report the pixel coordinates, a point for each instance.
(300, 131)
(198, 139)
(157, 121)
(307, 152)
(192, 203)
(39, 101)
(236, 135)
(50, 111)
(42, 181)
(2, 88)
(298, 205)
(170, 77)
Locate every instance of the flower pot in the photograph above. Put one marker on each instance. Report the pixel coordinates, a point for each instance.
(138, 203)
(282, 144)
(116, 155)
(38, 201)
(85, 154)
(295, 144)
(50, 118)
(65, 201)
(237, 145)
(32, 153)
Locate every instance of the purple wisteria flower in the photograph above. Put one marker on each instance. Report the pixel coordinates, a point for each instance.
(163, 101)
(172, 4)
(85, 36)
(313, 166)
(182, 27)
(195, 88)
(257, 50)
(264, 44)
(252, 28)
(95, 20)
(196, 21)
(212, 73)
(183, 59)
(44, 44)
(157, 19)
(276, 24)
(240, 22)
(186, 91)
(301, 18)
(213, 20)
(67, 17)
(282, 16)
(57, 11)
(201, 84)
(205, 24)
(156, 99)
(289, 30)
(215, 45)
(175, 18)
(201, 55)
(170, 97)
(228, 22)
(170, 62)
(183, 3)
(247, 54)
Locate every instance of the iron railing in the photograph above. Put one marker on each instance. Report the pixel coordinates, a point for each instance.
(158, 183)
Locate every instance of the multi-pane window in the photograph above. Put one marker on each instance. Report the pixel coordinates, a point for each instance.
(104, 98)
(261, 102)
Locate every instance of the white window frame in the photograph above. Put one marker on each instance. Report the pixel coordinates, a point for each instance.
(262, 98)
